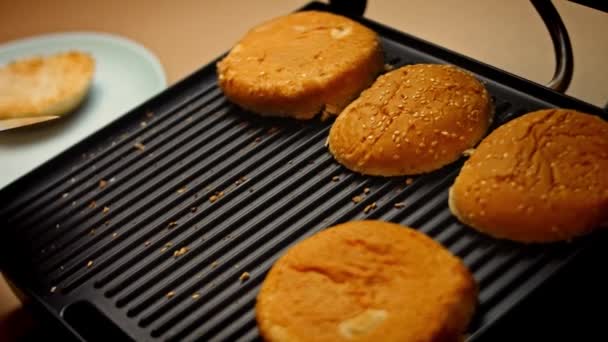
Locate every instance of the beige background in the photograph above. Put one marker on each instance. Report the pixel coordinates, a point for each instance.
(187, 34)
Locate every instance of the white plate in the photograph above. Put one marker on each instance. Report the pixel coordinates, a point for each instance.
(126, 74)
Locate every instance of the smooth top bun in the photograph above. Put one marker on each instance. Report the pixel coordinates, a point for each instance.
(539, 178)
(301, 64)
(412, 120)
(41, 86)
(366, 281)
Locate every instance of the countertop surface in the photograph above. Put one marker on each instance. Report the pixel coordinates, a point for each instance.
(188, 34)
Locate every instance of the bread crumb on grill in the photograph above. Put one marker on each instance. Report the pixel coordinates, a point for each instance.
(399, 205)
(196, 295)
(409, 181)
(181, 190)
(102, 183)
(335, 178)
(105, 210)
(171, 224)
(240, 181)
(258, 139)
(92, 205)
(366, 191)
(180, 252)
(92, 232)
(370, 207)
(170, 294)
(388, 67)
(193, 209)
(244, 277)
(216, 196)
(357, 199)
(53, 289)
(147, 243)
(65, 194)
(90, 264)
(114, 235)
(214, 264)
(143, 124)
(139, 146)
(150, 114)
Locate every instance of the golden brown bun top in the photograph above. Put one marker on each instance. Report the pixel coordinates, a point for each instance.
(49, 85)
(300, 64)
(412, 120)
(541, 177)
(366, 281)
(291, 48)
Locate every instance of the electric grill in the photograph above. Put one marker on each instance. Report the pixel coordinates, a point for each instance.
(188, 169)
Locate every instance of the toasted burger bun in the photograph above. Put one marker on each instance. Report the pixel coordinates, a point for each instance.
(366, 281)
(539, 178)
(412, 120)
(41, 86)
(301, 64)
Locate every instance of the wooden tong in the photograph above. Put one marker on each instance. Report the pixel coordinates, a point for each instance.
(6, 124)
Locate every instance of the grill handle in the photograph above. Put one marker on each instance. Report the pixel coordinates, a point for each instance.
(564, 65)
(564, 59)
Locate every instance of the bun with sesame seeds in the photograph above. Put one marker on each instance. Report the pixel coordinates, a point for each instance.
(300, 65)
(412, 120)
(539, 178)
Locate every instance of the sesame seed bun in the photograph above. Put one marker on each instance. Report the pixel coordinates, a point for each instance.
(366, 281)
(539, 178)
(41, 86)
(300, 65)
(412, 120)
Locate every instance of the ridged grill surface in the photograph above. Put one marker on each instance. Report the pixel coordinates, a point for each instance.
(274, 183)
